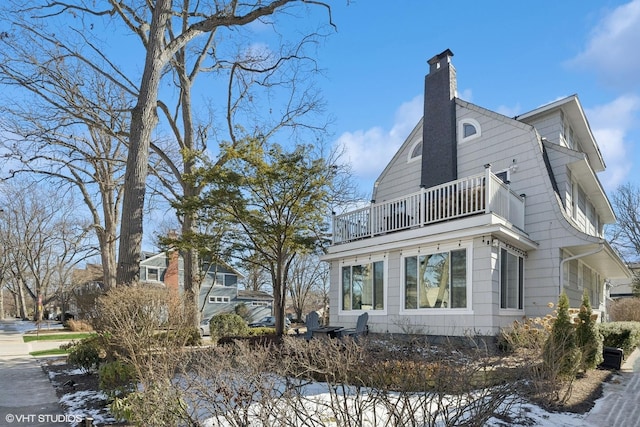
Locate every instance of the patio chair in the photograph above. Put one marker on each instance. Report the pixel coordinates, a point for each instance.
(312, 322)
(361, 328)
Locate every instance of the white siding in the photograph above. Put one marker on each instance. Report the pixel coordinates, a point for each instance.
(506, 144)
(401, 176)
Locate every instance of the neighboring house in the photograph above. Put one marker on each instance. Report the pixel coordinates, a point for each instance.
(478, 220)
(219, 291)
(86, 287)
(624, 288)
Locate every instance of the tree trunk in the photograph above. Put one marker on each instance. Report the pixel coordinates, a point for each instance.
(191, 276)
(22, 305)
(143, 121)
(108, 258)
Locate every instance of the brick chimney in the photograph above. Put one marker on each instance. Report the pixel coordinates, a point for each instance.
(172, 273)
(439, 153)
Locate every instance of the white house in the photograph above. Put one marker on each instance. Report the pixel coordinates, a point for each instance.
(478, 220)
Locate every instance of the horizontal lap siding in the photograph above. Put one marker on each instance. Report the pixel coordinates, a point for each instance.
(400, 177)
(484, 299)
(502, 141)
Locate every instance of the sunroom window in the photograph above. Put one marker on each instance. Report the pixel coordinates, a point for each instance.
(437, 280)
(511, 280)
(363, 286)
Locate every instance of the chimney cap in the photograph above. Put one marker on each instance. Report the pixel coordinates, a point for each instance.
(441, 59)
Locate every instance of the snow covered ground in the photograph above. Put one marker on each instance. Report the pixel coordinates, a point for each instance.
(79, 403)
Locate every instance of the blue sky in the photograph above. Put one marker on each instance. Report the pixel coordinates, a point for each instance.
(510, 57)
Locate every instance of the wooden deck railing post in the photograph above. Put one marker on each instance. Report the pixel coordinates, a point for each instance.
(488, 190)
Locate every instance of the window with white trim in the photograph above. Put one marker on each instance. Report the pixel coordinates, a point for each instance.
(214, 299)
(416, 151)
(511, 280)
(363, 286)
(468, 129)
(153, 274)
(260, 304)
(436, 280)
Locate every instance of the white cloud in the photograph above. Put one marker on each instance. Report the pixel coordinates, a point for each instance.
(369, 151)
(611, 124)
(466, 94)
(609, 51)
(509, 111)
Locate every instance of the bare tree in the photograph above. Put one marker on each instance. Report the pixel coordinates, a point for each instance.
(161, 46)
(44, 241)
(76, 40)
(625, 233)
(257, 278)
(249, 76)
(307, 276)
(78, 146)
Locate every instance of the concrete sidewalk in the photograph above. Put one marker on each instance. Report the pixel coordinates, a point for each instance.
(26, 395)
(620, 401)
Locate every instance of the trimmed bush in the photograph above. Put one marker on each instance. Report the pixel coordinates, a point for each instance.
(117, 378)
(262, 330)
(588, 338)
(624, 335)
(86, 354)
(242, 310)
(561, 354)
(184, 336)
(227, 325)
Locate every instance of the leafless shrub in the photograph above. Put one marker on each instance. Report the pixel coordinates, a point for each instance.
(625, 309)
(333, 382)
(233, 385)
(147, 328)
(79, 326)
(548, 379)
(294, 382)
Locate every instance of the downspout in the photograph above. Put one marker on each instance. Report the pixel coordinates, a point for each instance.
(593, 252)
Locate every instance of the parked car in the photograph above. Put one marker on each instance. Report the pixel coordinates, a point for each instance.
(63, 317)
(269, 322)
(204, 327)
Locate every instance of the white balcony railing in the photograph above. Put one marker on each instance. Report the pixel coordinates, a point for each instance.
(478, 194)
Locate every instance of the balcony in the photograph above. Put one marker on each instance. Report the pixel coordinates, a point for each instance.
(479, 194)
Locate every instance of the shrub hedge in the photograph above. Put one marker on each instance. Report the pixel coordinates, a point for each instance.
(624, 335)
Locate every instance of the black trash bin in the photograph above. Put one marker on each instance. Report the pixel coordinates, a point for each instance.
(612, 358)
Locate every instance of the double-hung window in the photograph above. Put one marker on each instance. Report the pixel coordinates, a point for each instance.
(511, 280)
(436, 280)
(363, 286)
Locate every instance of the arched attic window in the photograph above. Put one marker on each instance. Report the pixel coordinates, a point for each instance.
(416, 151)
(468, 129)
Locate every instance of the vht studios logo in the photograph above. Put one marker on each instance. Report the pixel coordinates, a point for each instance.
(42, 418)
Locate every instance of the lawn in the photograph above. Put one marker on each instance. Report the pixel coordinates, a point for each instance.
(50, 352)
(62, 336)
